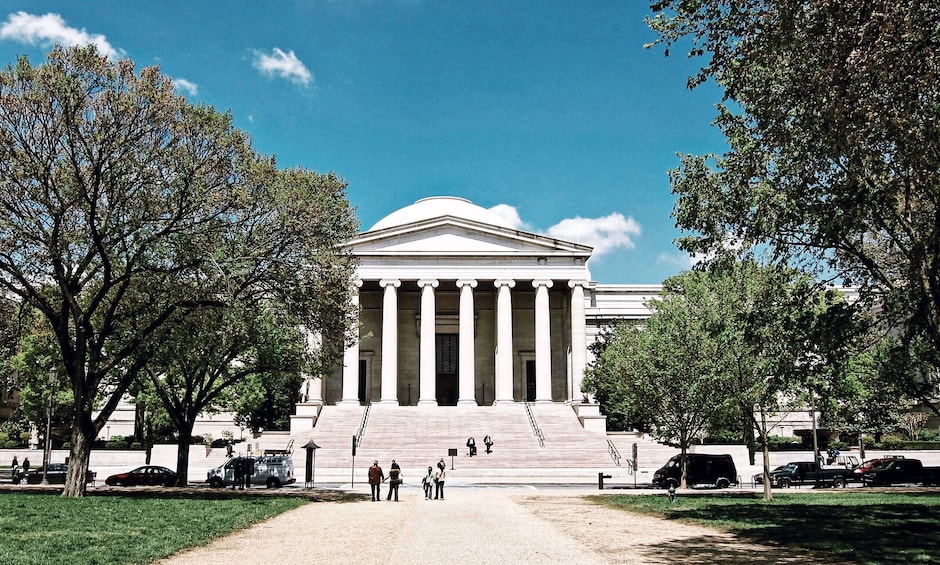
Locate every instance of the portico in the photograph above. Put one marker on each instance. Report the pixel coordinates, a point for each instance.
(458, 307)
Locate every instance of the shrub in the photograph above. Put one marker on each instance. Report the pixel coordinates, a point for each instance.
(782, 442)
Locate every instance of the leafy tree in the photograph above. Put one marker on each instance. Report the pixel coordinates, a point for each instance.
(831, 115)
(757, 330)
(126, 210)
(667, 374)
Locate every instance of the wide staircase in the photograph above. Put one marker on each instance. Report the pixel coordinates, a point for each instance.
(539, 442)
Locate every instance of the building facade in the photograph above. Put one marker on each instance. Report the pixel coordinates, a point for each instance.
(457, 307)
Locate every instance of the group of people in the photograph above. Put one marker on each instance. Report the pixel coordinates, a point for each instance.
(433, 481)
(472, 445)
(19, 472)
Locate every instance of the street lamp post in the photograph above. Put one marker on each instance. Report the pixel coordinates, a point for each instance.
(47, 452)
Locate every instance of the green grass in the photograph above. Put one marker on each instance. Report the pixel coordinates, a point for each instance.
(862, 527)
(46, 528)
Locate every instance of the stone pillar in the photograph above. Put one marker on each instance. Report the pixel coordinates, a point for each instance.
(351, 358)
(543, 342)
(467, 370)
(427, 363)
(504, 380)
(312, 391)
(390, 341)
(578, 339)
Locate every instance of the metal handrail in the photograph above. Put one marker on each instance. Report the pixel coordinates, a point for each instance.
(615, 453)
(362, 425)
(534, 425)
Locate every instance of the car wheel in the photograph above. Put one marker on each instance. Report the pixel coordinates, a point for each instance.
(839, 482)
(216, 482)
(273, 483)
(722, 483)
(784, 483)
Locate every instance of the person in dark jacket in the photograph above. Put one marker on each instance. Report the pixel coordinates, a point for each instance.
(376, 476)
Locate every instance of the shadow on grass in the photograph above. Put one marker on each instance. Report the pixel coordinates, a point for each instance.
(868, 533)
(203, 493)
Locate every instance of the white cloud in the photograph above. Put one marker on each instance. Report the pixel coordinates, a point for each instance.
(186, 87)
(604, 234)
(51, 29)
(283, 65)
(511, 215)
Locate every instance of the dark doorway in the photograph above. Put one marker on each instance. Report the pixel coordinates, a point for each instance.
(447, 348)
(362, 380)
(530, 381)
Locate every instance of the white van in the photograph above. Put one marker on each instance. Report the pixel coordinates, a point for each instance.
(272, 471)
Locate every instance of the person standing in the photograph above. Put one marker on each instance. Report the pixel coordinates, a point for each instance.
(15, 471)
(376, 476)
(488, 442)
(394, 479)
(26, 466)
(439, 477)
(238, 472)
(472, 444)
(428, 483)
(249, 471)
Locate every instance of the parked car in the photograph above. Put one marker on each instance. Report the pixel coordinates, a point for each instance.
(146, 475)
(903, 471)
(805, 473)
(55, 475)
(272, 471)
(701, 469)
(872, 464)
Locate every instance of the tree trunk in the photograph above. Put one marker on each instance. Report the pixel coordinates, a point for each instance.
(768, 488)
(182, 453)
(83, 434)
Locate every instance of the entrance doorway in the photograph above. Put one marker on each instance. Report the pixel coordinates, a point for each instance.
(447, 347)
(530, 380)
(362, 380)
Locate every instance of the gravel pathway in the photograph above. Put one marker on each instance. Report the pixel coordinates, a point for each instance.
(476, 525)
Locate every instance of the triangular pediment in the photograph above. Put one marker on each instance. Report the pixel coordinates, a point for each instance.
(450, 236)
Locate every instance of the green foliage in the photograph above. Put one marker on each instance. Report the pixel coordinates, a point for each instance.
(831, 113)
(884, 528)
(97, 530)
(130, 211)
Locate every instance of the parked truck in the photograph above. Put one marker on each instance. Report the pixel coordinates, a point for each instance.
(902, 471)
(805, 473)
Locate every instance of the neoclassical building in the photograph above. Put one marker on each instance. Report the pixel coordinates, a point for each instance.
(460, 308)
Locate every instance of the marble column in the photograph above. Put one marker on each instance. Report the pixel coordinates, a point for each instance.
(504, 377)
(427, 362)
(351, 358)
(467, 369)
(578, 339)
(390, 341)
(543, 342)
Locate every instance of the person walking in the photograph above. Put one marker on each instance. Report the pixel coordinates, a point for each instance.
(26, 466)
(238, 473)
(249, 471)
(394, 479)
(472, 444)
(439, 477)
(428, 483)
(376, 477)
(488, 442)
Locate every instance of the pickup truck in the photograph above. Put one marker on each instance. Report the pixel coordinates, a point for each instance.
(903, 471)
(804, 473)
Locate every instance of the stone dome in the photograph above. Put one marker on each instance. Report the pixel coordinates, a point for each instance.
(437, 206)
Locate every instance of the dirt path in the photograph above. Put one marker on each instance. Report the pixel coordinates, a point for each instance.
(477, 525)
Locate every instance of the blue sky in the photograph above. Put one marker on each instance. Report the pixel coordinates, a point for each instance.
(552, 111)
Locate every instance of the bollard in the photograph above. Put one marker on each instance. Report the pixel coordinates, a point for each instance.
(600, 480)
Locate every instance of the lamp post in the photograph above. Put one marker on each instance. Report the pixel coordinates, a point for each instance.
(47, 452)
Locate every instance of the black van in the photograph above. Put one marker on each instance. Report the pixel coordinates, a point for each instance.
(703, 469)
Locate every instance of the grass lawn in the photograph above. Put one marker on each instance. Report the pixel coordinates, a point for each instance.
(864, 527)
(46, 528)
